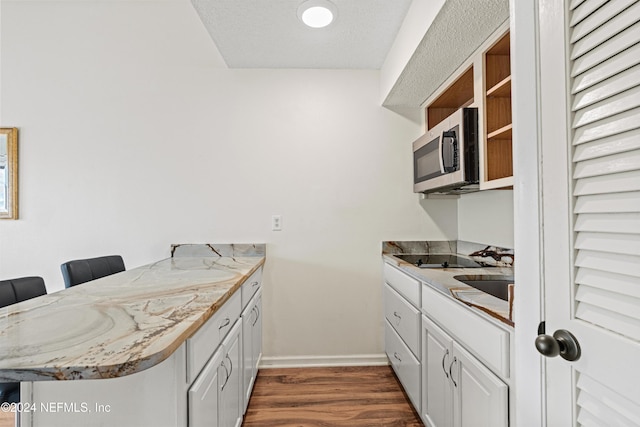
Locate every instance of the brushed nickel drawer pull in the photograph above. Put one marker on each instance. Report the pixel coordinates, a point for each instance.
(226, 380)
(455, 359)
(226, 323)
(446, 374)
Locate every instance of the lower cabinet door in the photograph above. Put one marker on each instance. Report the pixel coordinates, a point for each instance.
(256, 338)
(437, 388)
(481, 397)
(251, 346)
(230, 387)
(203, 394)
(248, 318)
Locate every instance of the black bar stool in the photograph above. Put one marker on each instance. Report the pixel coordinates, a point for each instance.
(11, 292)
(84, 270)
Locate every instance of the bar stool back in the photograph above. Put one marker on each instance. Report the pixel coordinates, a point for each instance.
(13, 291)
(81, 271)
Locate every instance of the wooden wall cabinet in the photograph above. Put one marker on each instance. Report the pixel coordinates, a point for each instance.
(459, 94)
(484, 82)
(496, 169)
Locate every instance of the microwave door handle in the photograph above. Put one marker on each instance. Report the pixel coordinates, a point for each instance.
(441, 153)
(451, 165)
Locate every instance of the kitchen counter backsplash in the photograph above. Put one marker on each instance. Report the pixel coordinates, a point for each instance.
(486, 254)
(217, 250)
(420, 247)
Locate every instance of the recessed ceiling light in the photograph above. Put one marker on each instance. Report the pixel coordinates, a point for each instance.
(317, 13)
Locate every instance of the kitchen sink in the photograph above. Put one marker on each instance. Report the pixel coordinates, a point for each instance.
(498, 286)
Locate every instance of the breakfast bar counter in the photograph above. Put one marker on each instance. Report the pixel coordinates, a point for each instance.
(124, 323)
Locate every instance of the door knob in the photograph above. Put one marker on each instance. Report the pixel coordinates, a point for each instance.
(562, 343)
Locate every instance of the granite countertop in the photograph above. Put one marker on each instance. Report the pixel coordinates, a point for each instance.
(442, 279)
(120, 324)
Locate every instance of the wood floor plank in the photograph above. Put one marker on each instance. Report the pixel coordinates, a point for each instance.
(329, 397)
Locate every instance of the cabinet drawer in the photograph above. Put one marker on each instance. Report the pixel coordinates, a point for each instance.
(405, 365)
(251, 286)
(204, 342)
(488, 342)
(404, 318)
(407, 286)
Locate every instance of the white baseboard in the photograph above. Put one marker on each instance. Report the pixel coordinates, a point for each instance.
(323, 361)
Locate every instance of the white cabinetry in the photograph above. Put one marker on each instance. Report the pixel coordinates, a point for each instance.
(203, 395)
(453, 363)
(214, 398)
(202, 345)
(404, 363)
(488, 342)
(201, 384)
(236, 359)
(402, 329)
(480, 397)
(251, 334)
(256, 338)
(437, 393)
(458, 390)
(230, 397)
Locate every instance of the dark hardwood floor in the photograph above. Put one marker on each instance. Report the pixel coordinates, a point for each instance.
(340, 396)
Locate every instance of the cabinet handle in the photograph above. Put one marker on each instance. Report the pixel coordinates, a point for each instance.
(229, 371)
(230, 367)
(397, 357)
(255, 283)
(257, 311)
(226, 377)
(225, 323)
(395, 313)
(450, 374)
(446, 374)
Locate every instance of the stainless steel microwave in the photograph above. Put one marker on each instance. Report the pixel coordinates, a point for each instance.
(445, 159)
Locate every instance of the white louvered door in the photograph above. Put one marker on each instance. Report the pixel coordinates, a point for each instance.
(590, 109)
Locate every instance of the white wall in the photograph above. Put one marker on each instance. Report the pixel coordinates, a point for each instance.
(486, 217)
(133, 136)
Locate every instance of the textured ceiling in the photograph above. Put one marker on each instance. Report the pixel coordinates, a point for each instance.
(268, 34)
(458, 30)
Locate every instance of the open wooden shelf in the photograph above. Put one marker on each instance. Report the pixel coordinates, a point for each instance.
(501, 90)
(459, 94)
(498, 145)
(499, 159)
(498, 113)
(502, 133)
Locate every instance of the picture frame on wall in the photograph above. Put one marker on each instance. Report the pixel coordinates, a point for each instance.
(8, 173)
